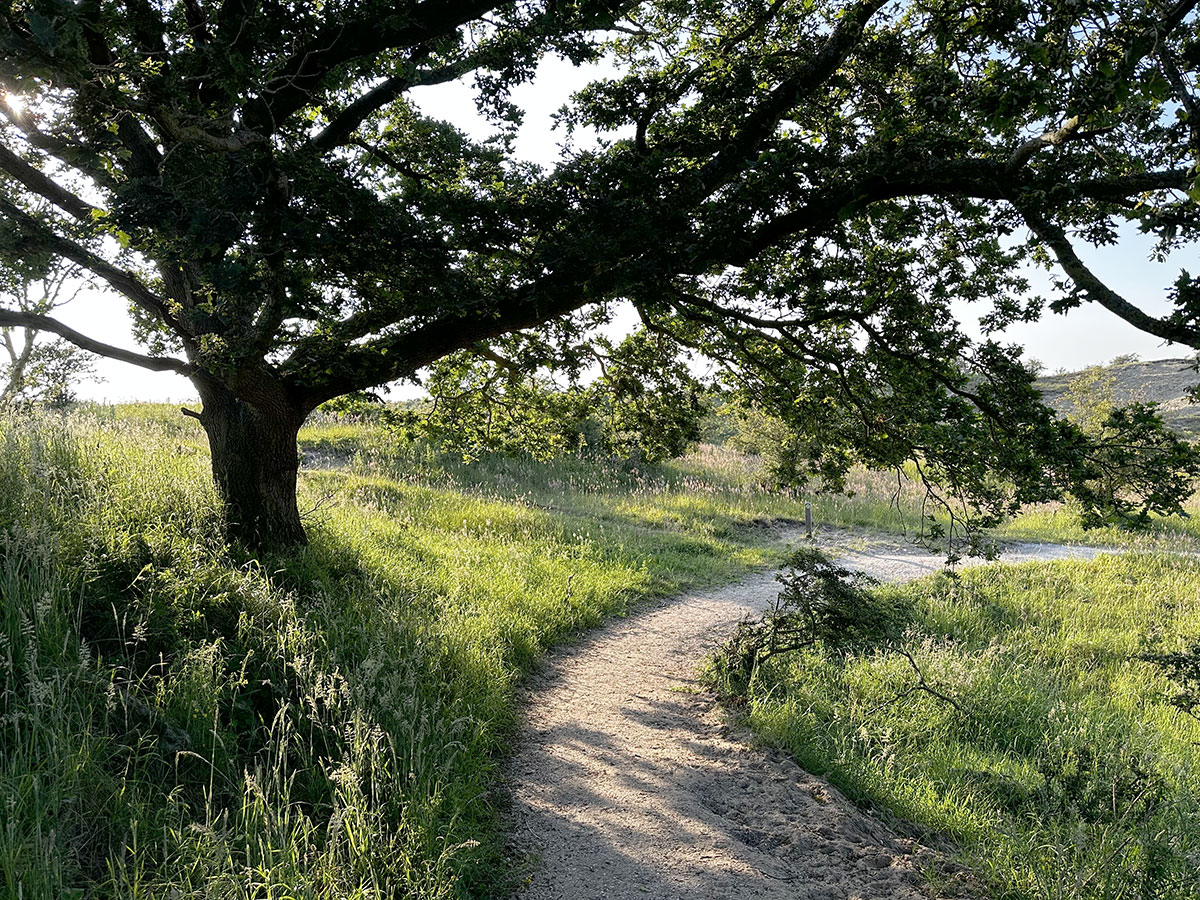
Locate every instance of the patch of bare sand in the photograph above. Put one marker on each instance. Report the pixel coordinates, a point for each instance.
(628, 783)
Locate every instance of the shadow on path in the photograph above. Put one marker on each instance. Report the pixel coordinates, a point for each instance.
(627, 783)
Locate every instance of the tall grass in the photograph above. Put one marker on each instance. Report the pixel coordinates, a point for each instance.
(1059, 766)
(179, 721)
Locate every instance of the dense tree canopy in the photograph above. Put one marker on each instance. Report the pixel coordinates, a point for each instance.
(799, 189)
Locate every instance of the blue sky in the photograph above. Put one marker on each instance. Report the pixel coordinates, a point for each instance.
(1073, 341)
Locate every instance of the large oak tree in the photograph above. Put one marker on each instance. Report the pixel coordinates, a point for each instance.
(799, 188)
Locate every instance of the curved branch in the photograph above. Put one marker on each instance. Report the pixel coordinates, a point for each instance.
(1069, 132)
(45, 323)
(982, 179)
(44, 186)
(338, 131)
(393, 356)
(809, 78)
(977, 178)
(1055, 237)
(339, 43)
(344, 123)
(122, 281)
(66, 152)
(1124, 186)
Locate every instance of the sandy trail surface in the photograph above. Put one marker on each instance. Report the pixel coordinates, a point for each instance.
(628, 782)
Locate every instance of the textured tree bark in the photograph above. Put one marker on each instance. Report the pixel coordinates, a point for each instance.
(254, 463)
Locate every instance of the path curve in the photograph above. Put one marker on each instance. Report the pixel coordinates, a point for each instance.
(627, 783)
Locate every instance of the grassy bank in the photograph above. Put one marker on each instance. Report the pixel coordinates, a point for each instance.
(1055, 762)
(709, 479)
(178, 721)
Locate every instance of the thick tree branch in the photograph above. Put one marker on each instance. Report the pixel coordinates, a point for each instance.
(144, 154)
(401, 355)
(1174, 16)
(977, 178)
(44, 186)
(341, 42)
(1122, 187)
(981, 179)
(233, 142)
(45, 323)
(808, 79)
(1087, 281)
(338, 131)
(122, 281)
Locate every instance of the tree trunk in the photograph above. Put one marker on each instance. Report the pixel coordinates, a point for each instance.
(254, 463)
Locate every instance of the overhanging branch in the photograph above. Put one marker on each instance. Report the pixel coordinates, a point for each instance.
(982, 179)
(44, 186)
(1055, 237)
(397, 356)
(45, 323)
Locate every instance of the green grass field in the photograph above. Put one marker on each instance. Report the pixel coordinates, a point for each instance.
(1059, 767)
(180, 721)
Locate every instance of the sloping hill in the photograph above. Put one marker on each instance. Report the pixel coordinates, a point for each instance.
(1162, 381)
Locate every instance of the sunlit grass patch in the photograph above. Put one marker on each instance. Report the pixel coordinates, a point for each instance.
(1065, 770)
(181, 721)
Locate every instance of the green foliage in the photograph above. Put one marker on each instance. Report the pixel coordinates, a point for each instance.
(1118, 466)
(1137, 466)
(808, 193)
(1091, 395)
(648, 401)
(1025, 717)
(357, 403)
(478, 407)
(820, 603)
(643, 404)
(783, 450)
(49, 375)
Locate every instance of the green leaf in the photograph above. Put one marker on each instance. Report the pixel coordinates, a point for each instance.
(43, 29)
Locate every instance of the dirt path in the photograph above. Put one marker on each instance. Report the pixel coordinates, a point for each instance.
(628, 784)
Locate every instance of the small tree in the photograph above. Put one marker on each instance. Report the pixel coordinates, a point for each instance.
(39, 370)
(1137, 465)
(1092, 395)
